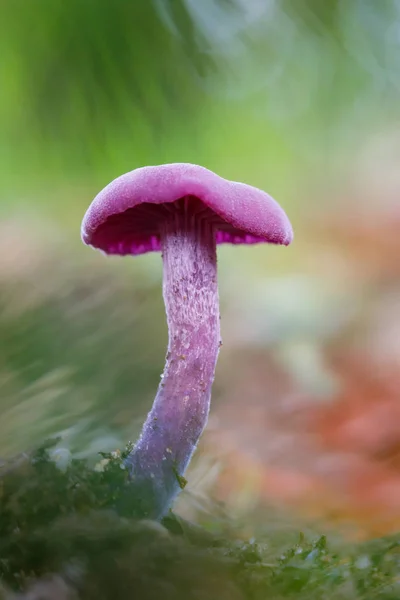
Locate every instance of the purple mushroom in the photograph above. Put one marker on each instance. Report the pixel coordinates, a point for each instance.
(184, 210)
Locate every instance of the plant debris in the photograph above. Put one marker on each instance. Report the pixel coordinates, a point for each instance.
(70, 533)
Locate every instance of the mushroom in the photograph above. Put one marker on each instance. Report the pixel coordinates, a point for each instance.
(184, 210)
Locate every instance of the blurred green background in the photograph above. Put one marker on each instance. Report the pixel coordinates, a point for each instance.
(298, 97)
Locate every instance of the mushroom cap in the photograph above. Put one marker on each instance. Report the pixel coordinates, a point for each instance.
(125, 216)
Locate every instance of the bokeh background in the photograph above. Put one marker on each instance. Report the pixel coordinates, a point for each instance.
(298, 97)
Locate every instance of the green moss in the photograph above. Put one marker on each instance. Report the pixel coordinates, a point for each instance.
(72, 530)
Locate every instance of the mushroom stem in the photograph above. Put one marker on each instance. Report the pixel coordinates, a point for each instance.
(180, 410)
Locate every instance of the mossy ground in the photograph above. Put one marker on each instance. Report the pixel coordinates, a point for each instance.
(68, 532)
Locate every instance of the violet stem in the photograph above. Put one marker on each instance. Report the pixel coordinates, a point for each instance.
(180, 409)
